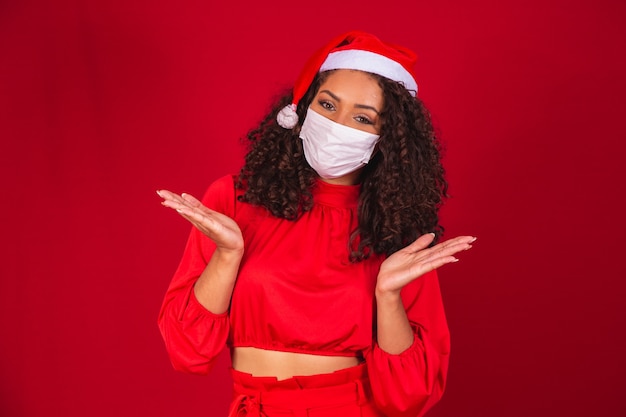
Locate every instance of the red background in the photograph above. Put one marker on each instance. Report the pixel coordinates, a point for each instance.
(103, 102)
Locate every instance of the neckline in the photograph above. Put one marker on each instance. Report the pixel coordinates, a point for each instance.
(336, 195)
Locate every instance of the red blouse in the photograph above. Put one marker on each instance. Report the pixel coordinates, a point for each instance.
(296, 291)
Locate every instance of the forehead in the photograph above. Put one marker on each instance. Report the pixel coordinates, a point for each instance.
(353, 85)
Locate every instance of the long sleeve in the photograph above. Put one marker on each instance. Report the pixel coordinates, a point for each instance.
(193, 335)
(410, 383)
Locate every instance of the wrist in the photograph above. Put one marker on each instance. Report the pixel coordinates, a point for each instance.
(224, 264)
(388, 297)
(228, 254)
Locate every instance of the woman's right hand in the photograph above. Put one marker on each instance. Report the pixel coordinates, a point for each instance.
(221, 229)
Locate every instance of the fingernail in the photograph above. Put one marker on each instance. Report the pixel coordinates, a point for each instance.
(455, 260)
(159, 193)
(473, 239)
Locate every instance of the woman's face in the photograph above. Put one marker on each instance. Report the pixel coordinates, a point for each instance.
(351, 98)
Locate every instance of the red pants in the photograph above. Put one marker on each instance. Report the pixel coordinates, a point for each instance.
(343, 393)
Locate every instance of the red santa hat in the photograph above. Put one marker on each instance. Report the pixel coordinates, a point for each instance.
(354, 50)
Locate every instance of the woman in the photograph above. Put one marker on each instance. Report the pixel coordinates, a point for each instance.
(316, 264)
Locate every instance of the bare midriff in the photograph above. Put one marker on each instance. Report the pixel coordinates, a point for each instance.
(283, 365)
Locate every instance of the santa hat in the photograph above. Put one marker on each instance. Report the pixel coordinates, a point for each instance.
(354, 50)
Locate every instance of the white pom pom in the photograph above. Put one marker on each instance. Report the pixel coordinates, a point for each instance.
(287, 117)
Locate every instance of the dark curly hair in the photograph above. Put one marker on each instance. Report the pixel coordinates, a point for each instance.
(402, 187)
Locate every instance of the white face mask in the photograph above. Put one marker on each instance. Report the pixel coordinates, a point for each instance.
(332, 149)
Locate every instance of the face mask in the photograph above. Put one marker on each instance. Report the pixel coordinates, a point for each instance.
(332, 149)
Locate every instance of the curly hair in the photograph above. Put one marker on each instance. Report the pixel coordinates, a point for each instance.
(402, 187)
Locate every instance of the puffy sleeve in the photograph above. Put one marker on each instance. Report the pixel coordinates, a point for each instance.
(193, 335)
(410, 383)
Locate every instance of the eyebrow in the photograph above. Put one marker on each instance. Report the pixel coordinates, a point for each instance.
(360, 106)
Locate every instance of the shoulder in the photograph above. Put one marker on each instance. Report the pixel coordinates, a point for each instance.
(221, 194)
(222, 185)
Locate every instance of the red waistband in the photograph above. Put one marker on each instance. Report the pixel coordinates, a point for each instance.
(252, 394)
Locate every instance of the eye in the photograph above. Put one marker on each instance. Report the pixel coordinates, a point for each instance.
(363, 119)
(326, 105)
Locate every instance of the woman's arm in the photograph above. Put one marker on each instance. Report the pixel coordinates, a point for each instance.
(408, 361)
(395, 334)
(193, 319)
(214, 287)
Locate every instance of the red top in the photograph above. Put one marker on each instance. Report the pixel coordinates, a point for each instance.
(296, 291)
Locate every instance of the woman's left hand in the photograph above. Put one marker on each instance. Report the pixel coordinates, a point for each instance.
(415, 260)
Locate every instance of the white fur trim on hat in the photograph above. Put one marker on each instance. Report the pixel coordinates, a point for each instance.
(370, 62)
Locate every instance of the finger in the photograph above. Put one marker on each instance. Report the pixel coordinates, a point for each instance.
(176, 201)
(169, 196)
(454, 245)
(166, 194)
(175, 204)
(446, 250)
(439, 262)
(199, 219)
(191, 200)
(421, 242)
(457, 240)
(443, 250)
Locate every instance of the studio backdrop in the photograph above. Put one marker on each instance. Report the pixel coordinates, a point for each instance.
(104, 102)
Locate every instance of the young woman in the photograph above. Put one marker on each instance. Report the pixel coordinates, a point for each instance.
(316, 264)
